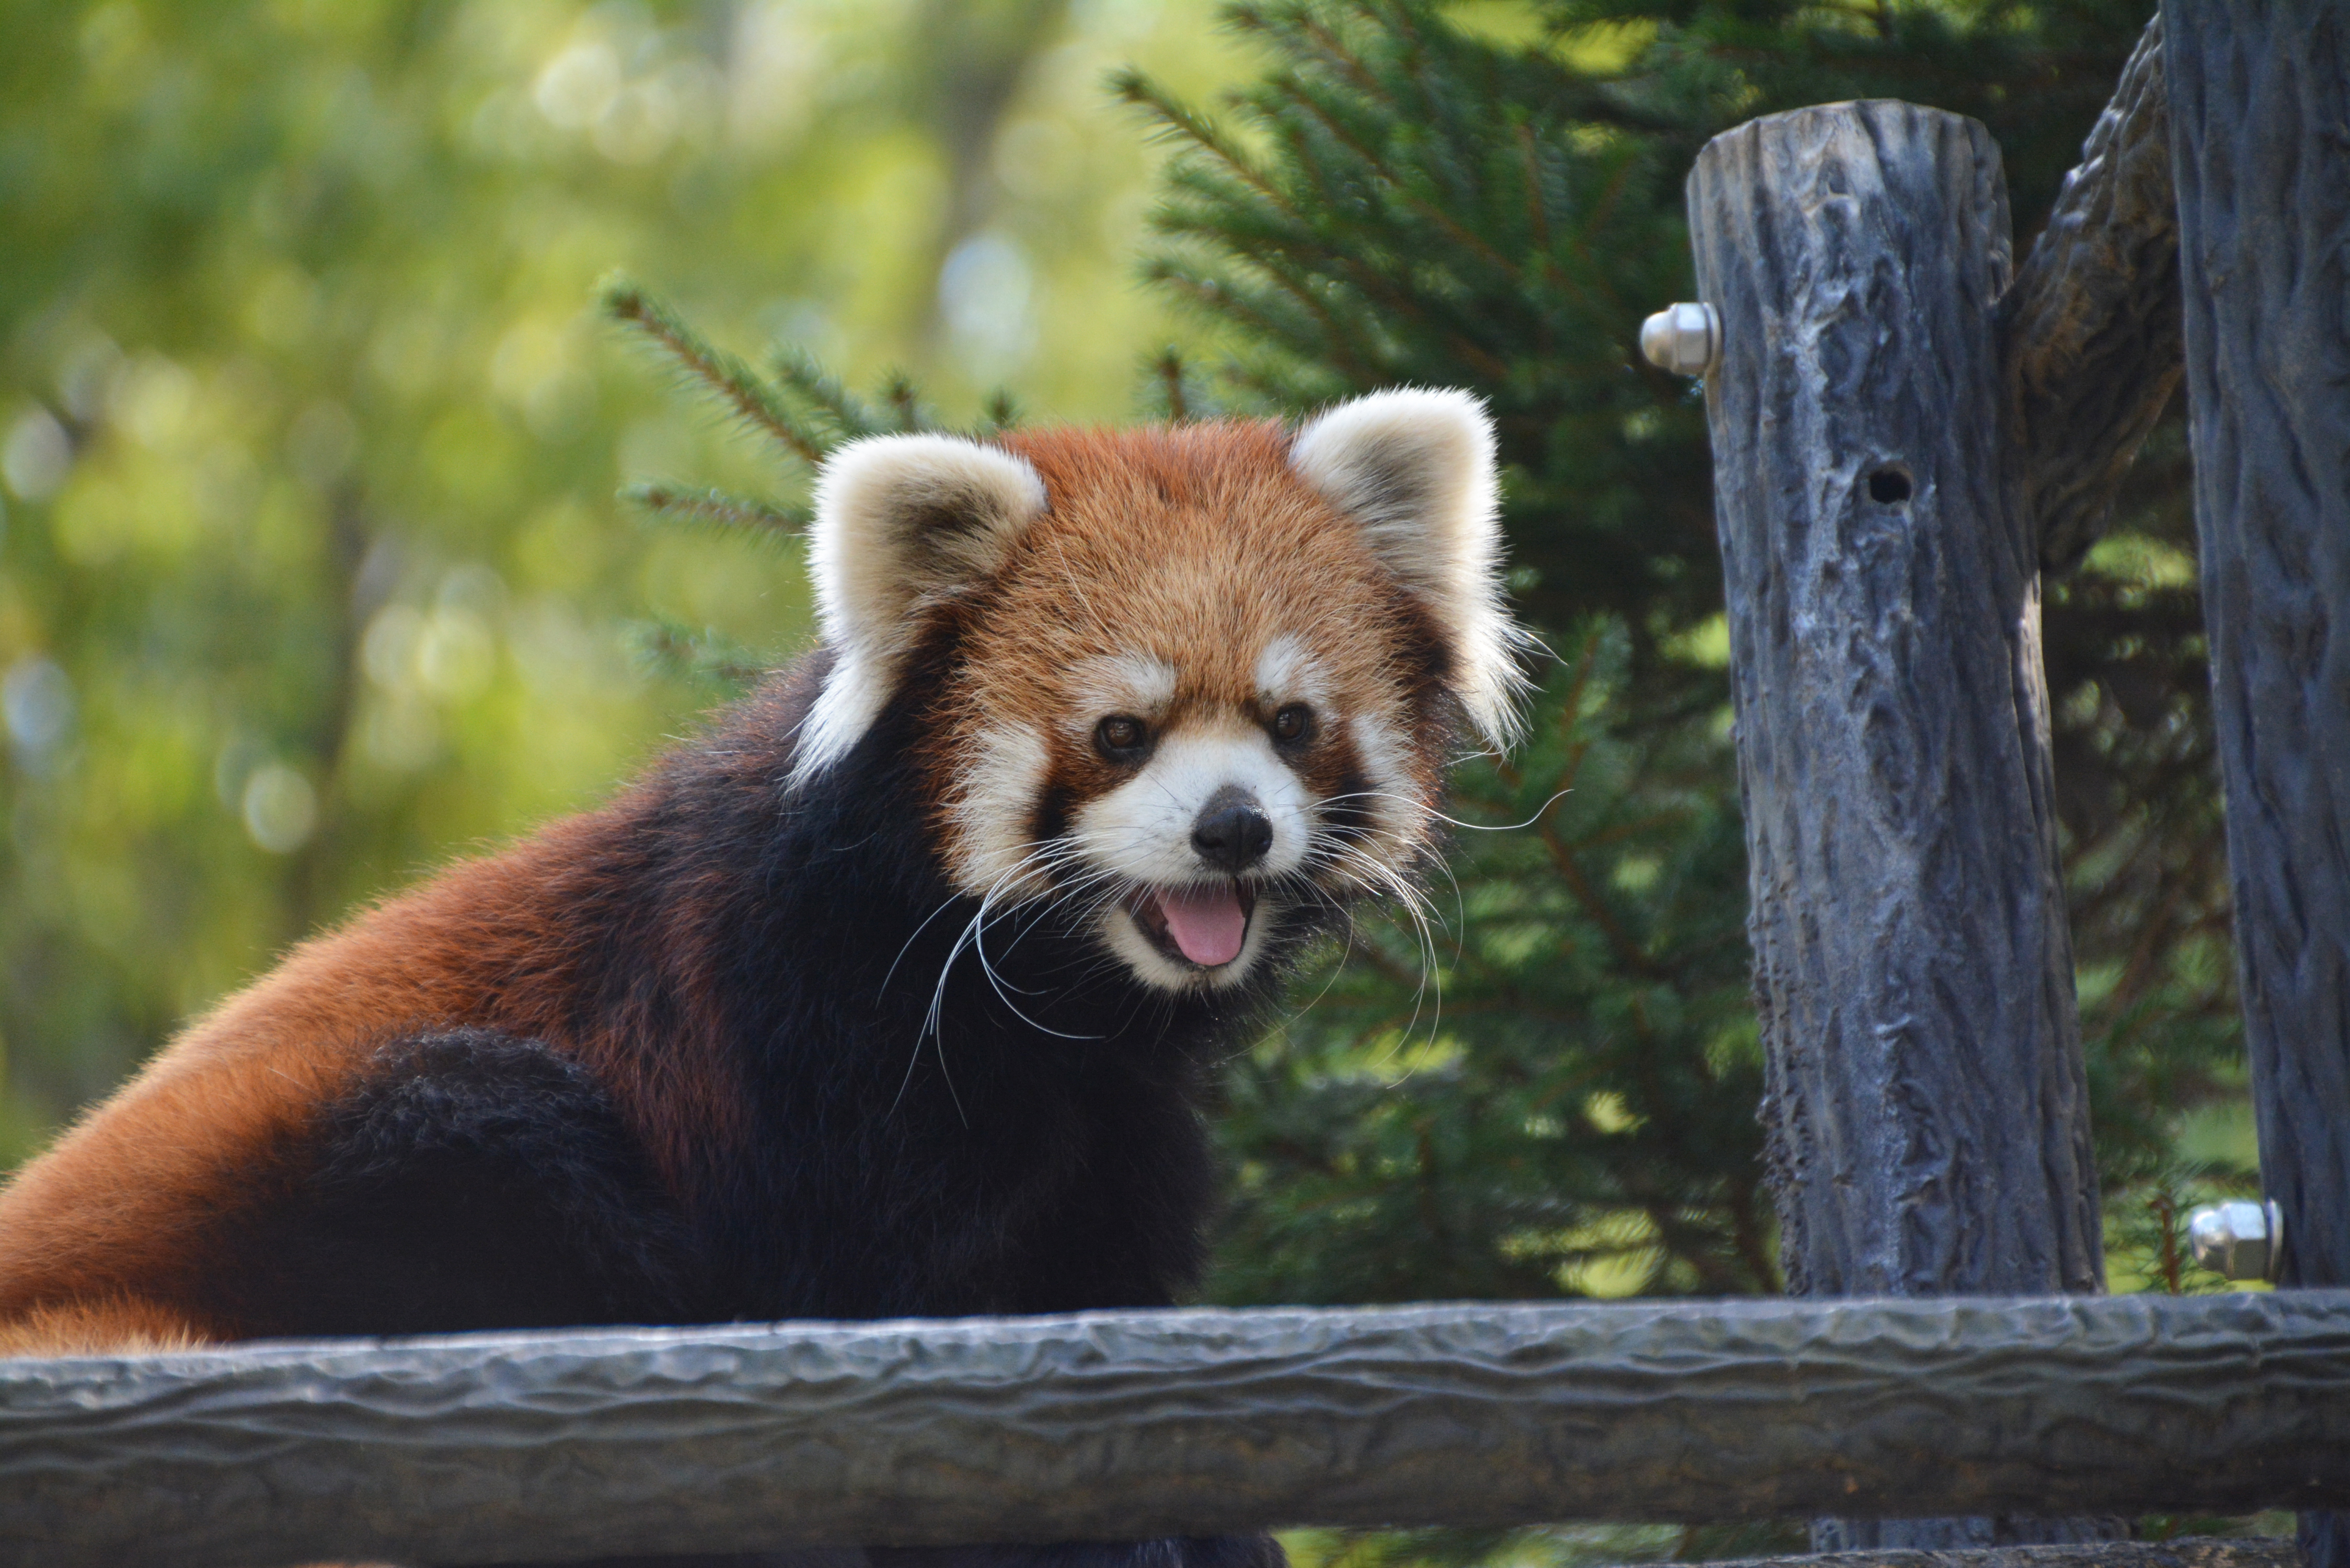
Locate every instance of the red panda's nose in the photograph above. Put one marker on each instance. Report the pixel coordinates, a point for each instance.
(1230, 834)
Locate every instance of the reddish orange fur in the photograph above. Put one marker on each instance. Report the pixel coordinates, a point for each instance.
(1230, 532)
(121, 1326)
(103, 1217)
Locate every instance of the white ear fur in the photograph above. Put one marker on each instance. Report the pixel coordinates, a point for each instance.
(900, 520)
(1415, 467)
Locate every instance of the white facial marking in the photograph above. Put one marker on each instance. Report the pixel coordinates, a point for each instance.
(1286, 673)
(990, 813)
(1399, 818)
(1133, 683)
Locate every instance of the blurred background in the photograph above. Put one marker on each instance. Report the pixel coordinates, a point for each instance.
(313, 574)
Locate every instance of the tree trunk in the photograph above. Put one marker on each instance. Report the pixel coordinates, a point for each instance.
(2261, 150)
(1926, 1114)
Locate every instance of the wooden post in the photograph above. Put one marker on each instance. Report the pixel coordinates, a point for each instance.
(2261, 147)
(1926, 1115)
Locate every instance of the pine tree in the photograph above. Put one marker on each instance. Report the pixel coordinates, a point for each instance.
(1401, 201)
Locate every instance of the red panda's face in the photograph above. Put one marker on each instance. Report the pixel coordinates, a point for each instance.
(1205, 681)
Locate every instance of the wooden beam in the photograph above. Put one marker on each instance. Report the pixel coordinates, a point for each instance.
(502, 1447)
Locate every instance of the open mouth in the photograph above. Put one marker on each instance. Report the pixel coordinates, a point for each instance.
(1205, 927)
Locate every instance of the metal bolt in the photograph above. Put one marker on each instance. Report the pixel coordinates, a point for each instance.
(1683, 339)
(2242, 1239)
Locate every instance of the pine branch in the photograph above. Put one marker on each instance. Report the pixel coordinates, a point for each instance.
(684, 504)
(1285, 388)
(1377, 167)
(1168, 366)
(1537, 199)
(1296, 239)
(1372, 281)
(1321, 41)
(1218, 296)
(1292, 262)
(906, 402)
(670, 648)
(733, 381)
(1001, 411)
(1201, 198)
(1178, 122)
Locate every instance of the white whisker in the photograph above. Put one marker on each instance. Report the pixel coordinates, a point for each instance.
(1540, 811)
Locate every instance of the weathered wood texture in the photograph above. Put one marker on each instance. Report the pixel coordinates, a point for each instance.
(1926, 1118)
(2092, 324)
(490, 1448)
(2260, 144)
(1925, 1111)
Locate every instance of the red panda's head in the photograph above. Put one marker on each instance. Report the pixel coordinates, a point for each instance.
(1203, 680)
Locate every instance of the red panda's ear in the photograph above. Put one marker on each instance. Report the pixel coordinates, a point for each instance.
(1415, 467)
(900, 520)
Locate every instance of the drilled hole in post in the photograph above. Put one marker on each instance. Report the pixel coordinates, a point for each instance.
(1889, 486)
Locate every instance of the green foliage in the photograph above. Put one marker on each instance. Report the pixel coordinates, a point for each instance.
(1549, 1547)
(800, 409)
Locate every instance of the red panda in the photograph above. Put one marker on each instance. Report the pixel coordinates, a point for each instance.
(892, 995)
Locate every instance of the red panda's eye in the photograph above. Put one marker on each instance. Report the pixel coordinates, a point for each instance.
(1292, 723)
(1120, 736)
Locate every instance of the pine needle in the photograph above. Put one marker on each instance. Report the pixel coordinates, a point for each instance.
(729, 378)
(906, 402)
(850, 415)
(1179, 122)
(1168, 366)
(692, 505)
(668, 648)
(1001, 412)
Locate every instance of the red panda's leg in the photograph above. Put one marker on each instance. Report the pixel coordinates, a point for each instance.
(463, 1179)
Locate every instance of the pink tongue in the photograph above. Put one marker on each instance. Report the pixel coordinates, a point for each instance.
(1206, 922)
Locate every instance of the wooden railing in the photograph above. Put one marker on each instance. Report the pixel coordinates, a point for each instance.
(501, 1448)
